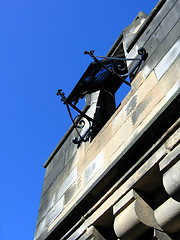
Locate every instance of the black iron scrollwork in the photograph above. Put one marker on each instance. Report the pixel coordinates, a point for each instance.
(118, 65)
(97, 78)
(78, 122)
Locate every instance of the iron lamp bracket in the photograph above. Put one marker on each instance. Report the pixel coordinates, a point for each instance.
(78, 122)
(119, 63)
(97, 77)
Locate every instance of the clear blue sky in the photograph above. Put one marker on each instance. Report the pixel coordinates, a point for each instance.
(41, 50)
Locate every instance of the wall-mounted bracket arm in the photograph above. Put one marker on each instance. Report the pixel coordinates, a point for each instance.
(78, 122)
(107, 74)
(118, 64)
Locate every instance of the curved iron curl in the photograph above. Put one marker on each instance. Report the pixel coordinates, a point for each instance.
(143, 55)
(115, 64)
(82, 124)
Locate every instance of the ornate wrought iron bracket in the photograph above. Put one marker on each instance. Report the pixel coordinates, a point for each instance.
(118, 64)
(78, 122)
(100, 75)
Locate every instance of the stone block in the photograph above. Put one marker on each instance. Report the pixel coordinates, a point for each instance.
(171, 181)
(123, 133)
(49, 217)
(177, 63)
(168, 60)
(161, 50)
(117, 140)
(55, 211)
(58, 163)
(70, 179)
(134, 101)
(163, 29)
(132, 29)
(78, 233)
(52, 200)
(159, 234)
(162, 104)
(70, 152)
(168, 22)
(148, 39)
(121, 117)
(153, 114)
(156, 95)
(174, 140)
(149, 31)
(48, 168)
(137, 81)
(92, 234)
(56, 182)
(168, 216)
(51, 190)
(100, 141)
(93, 167)
(46, 208)
(74, 161)
(175, 90)
(55, 171)
(73, 190)
(170, 159)
(133, 217)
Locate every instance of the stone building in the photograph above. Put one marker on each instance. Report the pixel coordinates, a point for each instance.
(123, 181)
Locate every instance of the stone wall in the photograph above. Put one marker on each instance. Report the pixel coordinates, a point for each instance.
(125, 182)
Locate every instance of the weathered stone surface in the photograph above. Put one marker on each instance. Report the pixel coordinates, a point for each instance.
(50, 208)
(174, 140)
(161, 50)
(168, 59)
(95, 165)
(170, 159)
(177, 63)
(73, 191)
(150, 29)
(155, 95)
(168, 216)
(163, 29)
(149, 40)
(78, 232)
(136, 83)
(140, 217)
(134, 101)
(132, 29)
(55, 171)
(159, 234)
(171, 181)
(92, 234)
(49, 216)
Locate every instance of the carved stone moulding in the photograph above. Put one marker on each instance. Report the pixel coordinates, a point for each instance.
(168, 216)
(133, 217)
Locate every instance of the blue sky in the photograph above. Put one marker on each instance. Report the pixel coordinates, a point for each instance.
(41, 50)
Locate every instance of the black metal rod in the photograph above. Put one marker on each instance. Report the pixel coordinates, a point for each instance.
(64, 100)
(97, 60)
(80, 112)
(73, 122)
(86, 135)
(104, 66)
(119, 58)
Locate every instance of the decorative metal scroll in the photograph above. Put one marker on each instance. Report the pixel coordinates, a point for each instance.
(118, 64)
(106, 74)
(78, 122)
